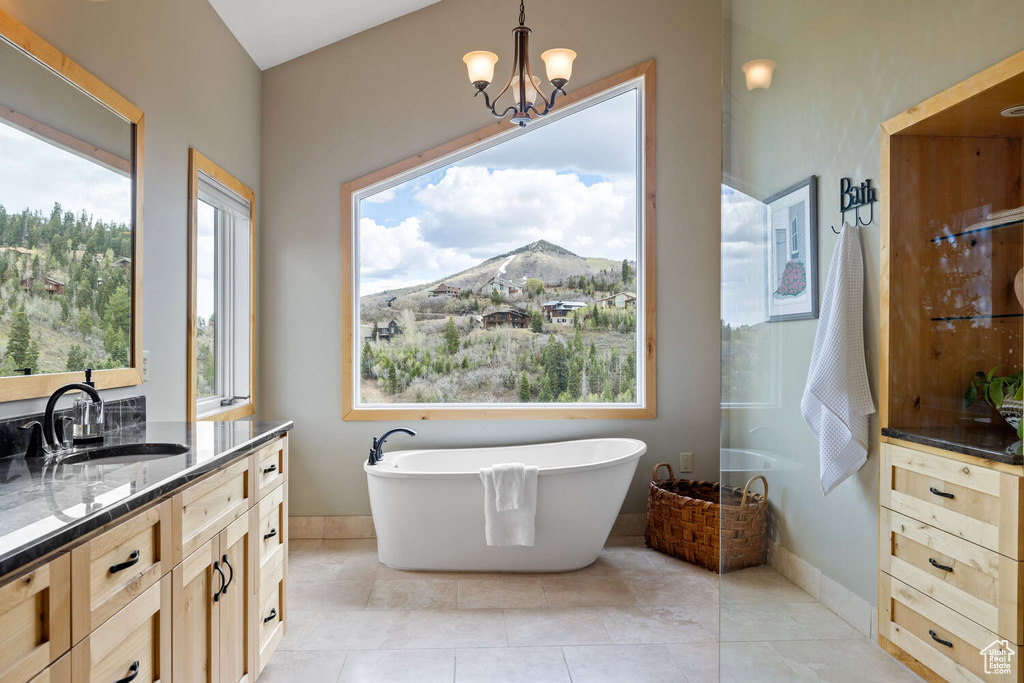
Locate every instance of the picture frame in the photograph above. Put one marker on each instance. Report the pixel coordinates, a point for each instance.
(791, 240)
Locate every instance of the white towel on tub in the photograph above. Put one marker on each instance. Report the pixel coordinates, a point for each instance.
(509, 485)
(510, 527)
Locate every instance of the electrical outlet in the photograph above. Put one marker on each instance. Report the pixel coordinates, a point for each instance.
(145, 366)
(686, 462)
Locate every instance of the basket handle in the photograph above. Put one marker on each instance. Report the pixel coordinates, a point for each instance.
(747, 487)
(654, 474)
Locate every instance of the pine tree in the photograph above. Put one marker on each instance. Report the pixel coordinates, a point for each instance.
(524, 388)
(546, 396)
(20, 341)
(366, 361)
(495, 297)
(451, 337)
(76, 358)
(536, 322)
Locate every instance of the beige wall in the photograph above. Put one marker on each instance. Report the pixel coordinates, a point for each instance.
(843, 69)
(398, 89)
(177, 61)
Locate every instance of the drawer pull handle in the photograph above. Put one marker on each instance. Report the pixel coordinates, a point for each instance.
(938, 640)
(273, 615)
(268, 470)
(942, 494)
(231, 576)
(133, 559)
(223, 583)
(273, 532)
(943, 567)
(133, 671)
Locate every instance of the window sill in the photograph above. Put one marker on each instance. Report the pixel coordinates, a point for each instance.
(229, 413)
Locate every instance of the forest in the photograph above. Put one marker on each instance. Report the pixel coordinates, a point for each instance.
(65, 292)
(445, 353)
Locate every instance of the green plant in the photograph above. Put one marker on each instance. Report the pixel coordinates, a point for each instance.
(994, 389)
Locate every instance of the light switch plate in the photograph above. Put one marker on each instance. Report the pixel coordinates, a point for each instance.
(145, 366)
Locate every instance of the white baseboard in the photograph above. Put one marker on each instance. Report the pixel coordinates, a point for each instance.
(850, 607)
(318, 528)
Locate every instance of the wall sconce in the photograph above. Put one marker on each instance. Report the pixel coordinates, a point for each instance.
(759, 73)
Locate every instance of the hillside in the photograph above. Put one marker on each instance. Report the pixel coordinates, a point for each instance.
(548, 262)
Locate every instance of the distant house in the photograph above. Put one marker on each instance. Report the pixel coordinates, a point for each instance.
(512, 317)
(53, 287)
(387, 330)
(560, 311)
(502, 287)
(444, 290)
(620, 300)
(391, 300)
(124, 263)
(365, 333)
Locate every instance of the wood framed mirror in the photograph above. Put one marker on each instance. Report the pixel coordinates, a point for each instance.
(70, 222)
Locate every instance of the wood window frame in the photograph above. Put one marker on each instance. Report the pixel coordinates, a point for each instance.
(349, 353)
(31, 45)
(197, 163)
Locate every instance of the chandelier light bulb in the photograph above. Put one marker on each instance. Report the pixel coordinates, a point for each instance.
(480, 65)
(559, 64)
(531, 90)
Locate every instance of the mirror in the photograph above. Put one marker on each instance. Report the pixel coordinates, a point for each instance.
(70, 222)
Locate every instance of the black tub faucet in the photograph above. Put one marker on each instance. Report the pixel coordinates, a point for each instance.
(376, 454)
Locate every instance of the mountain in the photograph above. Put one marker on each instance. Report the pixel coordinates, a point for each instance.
(548, 262)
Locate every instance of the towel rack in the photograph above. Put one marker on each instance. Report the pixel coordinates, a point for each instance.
(854, 198)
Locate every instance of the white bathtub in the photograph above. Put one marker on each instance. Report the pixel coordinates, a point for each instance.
(428, 505)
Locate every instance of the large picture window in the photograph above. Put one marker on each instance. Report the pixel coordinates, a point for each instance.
(509, 273)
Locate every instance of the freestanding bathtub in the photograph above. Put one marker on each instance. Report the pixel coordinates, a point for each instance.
(428, 505)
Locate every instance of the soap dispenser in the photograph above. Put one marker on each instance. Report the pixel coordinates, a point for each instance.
(88, 420)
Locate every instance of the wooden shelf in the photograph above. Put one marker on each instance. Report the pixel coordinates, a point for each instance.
(974, 231)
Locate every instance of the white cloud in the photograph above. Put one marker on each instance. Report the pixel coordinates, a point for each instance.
(392, 257)
(484, 213)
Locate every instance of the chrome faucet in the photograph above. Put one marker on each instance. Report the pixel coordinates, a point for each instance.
(376, 452)
(46, 438)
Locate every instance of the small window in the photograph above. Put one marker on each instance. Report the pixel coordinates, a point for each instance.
(221, 294)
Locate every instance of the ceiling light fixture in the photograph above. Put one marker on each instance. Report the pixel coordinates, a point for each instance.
(525, 86)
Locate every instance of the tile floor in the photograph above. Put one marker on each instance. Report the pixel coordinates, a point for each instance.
(632, 616)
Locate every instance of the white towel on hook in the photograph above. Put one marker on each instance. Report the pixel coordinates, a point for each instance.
(510, 527)
(837, 399)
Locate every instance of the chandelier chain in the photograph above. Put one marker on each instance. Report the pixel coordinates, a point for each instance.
(522, 12)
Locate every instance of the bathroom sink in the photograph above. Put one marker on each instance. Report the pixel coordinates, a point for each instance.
(124, 453)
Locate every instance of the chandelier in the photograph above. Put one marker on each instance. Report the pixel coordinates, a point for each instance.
(525, 86)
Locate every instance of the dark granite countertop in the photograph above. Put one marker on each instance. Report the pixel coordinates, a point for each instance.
(996, 442)
(46, 504)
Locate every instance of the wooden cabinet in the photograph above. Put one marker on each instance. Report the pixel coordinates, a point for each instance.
(117, 566)
(179, 591)
(951, 538)
(35, 620)
(205, 508)
(134, 642)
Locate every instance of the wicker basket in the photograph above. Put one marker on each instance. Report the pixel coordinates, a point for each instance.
(720, 528)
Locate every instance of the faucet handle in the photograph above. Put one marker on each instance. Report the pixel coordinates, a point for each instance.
(36, 448)
(65, 438)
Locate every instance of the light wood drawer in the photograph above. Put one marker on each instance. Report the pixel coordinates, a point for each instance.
(271, 617)
(135, 640)
(58, 672)
(117, 566)
(945, 641)
(271, 466)
(978, 583)
(205, 508)
(974, 503)
(35, 620)
(271, 530)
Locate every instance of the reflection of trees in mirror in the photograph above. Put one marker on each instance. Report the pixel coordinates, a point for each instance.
(65, 292)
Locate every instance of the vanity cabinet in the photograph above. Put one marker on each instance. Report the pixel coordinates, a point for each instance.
(951, 472)
(189, 589)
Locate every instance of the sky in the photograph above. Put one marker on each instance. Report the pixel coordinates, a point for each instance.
(34, 174)
(571, 182)
(744, 288)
